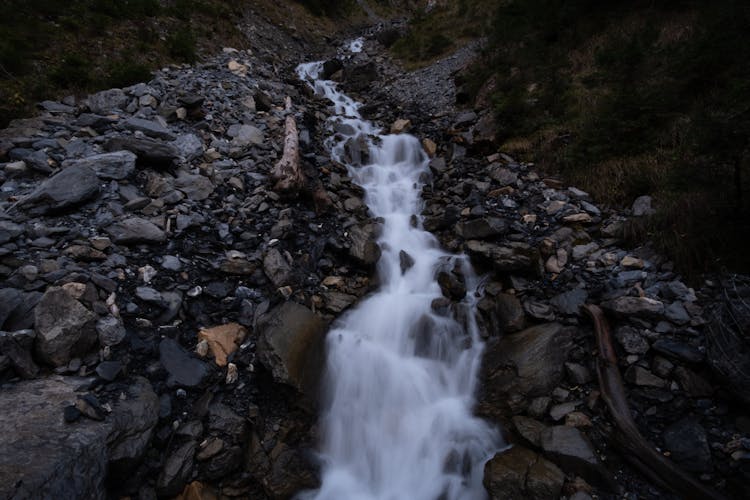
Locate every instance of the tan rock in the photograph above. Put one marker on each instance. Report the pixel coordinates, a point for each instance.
(223, 340)
(582, 217)
(631, 262)
(400, 126)
(429, 147)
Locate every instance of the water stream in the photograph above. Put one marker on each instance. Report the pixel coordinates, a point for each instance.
(397, 418)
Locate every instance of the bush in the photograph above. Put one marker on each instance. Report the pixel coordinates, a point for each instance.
(181, 45)
(74, 72)
(127, 72)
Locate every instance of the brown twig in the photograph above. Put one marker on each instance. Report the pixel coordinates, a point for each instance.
(637, 450)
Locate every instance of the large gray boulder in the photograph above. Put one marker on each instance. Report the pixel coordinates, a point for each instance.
(136, 230)
(570, 449)
(521, 366)
(65, 329)
(116, 165)
(519, 474)
(69, 187)
(42, 456)
(291, 346)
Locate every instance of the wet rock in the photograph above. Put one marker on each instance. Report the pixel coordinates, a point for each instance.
(184, 370)
(135, 230)
(512, 256)
(69, 187)
(406, 261)
(223, 340)
(291, 347)
(359, 77)
(117, 165)
(526, 364)
(400, 126)
(337, 302)
(529, 428)
(363, 245)
(451, 285)
(519, 473)
(65, 328)
(482, 228)
(570, 449)
(687, 441)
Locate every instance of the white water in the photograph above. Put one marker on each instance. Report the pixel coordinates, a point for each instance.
(397, 420)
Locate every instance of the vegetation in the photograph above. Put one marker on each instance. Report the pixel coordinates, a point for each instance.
(627, 98)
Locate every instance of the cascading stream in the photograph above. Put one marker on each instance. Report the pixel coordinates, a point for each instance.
(397, 417)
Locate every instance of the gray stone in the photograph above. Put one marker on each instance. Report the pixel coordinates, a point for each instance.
(117, 165)
(640, 376)
(642, 307)
(69, 187)
(111, 331)
(679, 350)
(42, 456)
(291, 346)
(196, 187)
(511, 256)
(177, 469)
(676, 313)
(578, 374)
(151, 128)
(631, 340)
(570, 302)
(107, 101)
(642, 206)
(189, 146)
(503, 176)
(135, 230)
(17, 347)
(277, 269)
(363, 244)
(65, 328)
(570, 449)
(247, 135)
(9, 231)
(149, 151)
(519, 474)
(184, 370)
(687, 441)
(523, 365)
(171, 263)
(482, 228)
(10, 299)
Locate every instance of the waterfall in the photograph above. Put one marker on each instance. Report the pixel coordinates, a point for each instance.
(397, 418)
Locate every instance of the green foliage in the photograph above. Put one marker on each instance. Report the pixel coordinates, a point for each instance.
(73, 72)
(330, 8)
(126, 72)
(182, 45)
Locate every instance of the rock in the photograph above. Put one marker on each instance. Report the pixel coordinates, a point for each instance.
(151, 128)
(578, 374)
(581, 251)
(642, 206)
(111, 331)
(405, 260)
(177, 469)
(117, 165)
(291, 346)
(10, 299)
(570, 302)
(16, 347)
(40, 452)
(529, 429)
(69, 187)
(570, 449)
(482, 228)
(107, 101)
(247, 135)
(195, 187)
(503, 176)
(363, 246)
(640, 376)
(65, 328)
(189, 147)
(9, 231)
(150, 152)
(278, 270)
(526, 364)
(109, 370)
(183, 369)
(678, 350)
(511, 256)
(400, 126)
(336, 302)
(451, 285)
(687, 441)
(359, 77)
(676, 313)
(519, 474)
(135, 230)
(643, 307)
(223, 340)
(630, 340)
(429, 147)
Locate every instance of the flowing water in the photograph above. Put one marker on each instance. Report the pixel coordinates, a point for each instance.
(397, 417)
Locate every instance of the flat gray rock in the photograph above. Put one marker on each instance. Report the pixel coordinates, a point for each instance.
(136, 230)
(69, 187)
(116, 165)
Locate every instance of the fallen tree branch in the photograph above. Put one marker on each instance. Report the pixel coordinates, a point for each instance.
(287, 172)
(637, 450)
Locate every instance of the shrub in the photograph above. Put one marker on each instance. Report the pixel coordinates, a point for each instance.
(181, 45)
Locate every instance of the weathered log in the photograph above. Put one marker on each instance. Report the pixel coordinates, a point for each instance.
(636, 449)
(287, 172)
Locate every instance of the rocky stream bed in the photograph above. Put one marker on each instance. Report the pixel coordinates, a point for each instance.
(163, 309)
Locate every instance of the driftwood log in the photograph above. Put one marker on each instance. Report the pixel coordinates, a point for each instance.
(636, 449)
(288, 175)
